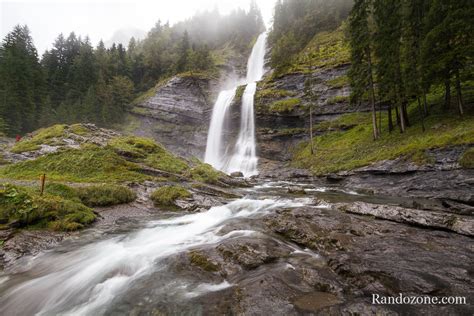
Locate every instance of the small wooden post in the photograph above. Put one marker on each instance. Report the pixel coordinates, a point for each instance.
(43, 180)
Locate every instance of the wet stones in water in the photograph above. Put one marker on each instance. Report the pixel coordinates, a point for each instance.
(237, 174)
(296, 190)
(315, 301)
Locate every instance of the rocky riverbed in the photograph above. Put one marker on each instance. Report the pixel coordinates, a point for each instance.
(305, 246)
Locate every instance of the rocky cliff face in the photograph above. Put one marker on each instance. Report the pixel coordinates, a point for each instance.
(177, 115)
(283, 105)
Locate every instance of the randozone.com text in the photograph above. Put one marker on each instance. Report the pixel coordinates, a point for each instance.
(413, 300)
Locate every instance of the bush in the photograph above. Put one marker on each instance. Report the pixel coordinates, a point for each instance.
(105, 195)
(167, 195)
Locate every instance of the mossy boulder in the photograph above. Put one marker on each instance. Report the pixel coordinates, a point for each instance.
(105, 195)
(200, 260)
(167, 195)
(467, 159)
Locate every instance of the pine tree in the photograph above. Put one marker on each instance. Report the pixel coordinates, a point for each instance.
(361, 72)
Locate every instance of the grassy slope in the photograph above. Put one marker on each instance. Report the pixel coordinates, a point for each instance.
(345, 150)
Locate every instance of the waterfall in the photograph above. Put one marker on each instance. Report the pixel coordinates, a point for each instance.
(244, 158)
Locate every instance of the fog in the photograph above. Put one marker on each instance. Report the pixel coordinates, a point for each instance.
(110, 20)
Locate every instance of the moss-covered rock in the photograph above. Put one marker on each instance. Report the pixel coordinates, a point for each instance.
(167, 195)
(41, 136)
(25, 207)
(105, 195)
(285, 106)
(200, 260)
(204, 172)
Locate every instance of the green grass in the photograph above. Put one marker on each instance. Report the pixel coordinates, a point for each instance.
(326, 50)
(28, 209)
(467, 159)
(204, 172)
(42, 136)
(346, 150)
(338, 82)
(284, 106)
(167, 195)
(90, 163)
(147, 151)
(338, 99)
(105, 195)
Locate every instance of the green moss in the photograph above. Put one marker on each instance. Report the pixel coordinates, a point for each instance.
(338, 99)
(167, 162)
(167, 195)
(204, 172)
(240, 92)
(105, 195)
(346, 150)
(200, 260)
(285, 106)
(27, 208)
(338, 82)
(88, 164)
(467, 159)
(42, 136)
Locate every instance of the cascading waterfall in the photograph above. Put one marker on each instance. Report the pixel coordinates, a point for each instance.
(244, 158)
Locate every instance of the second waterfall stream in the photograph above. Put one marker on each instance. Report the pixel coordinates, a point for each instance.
(243, 156)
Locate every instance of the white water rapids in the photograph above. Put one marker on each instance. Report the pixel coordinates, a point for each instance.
(244, 157)
(86, 280)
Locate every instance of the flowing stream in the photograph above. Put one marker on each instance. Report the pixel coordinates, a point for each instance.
(243, 158)
(90, 278)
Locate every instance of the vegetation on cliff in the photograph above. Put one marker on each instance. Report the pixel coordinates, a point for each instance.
(167, 195)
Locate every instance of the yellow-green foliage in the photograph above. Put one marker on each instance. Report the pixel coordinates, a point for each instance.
(147, 151)
(88, 164)
(79, 129)
(198, 259)
(345, 150)
(467, 159)
(204, 172)
(28, 208)
(42, 136)
(105, 195)
(273, 93)
(285, 106)
(338, 82)
(167, 195)
(325, 50)
(240, 92)
(338, 99)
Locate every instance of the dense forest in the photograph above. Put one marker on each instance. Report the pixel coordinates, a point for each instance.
(399, 50)
(76, 82)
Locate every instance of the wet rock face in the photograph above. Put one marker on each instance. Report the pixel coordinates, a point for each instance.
(178, 115)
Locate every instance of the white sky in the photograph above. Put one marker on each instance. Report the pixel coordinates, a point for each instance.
(101, 18)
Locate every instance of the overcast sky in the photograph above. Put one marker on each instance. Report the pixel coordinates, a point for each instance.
(100, 19)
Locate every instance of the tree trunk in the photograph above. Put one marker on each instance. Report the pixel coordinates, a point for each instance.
(311, 128)
(425, 104)
(372, 96)
(380, 118)
(390, 122)
(459, 94)
(397, 116)
(422, 115)
(447, 94)
(405, 113)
